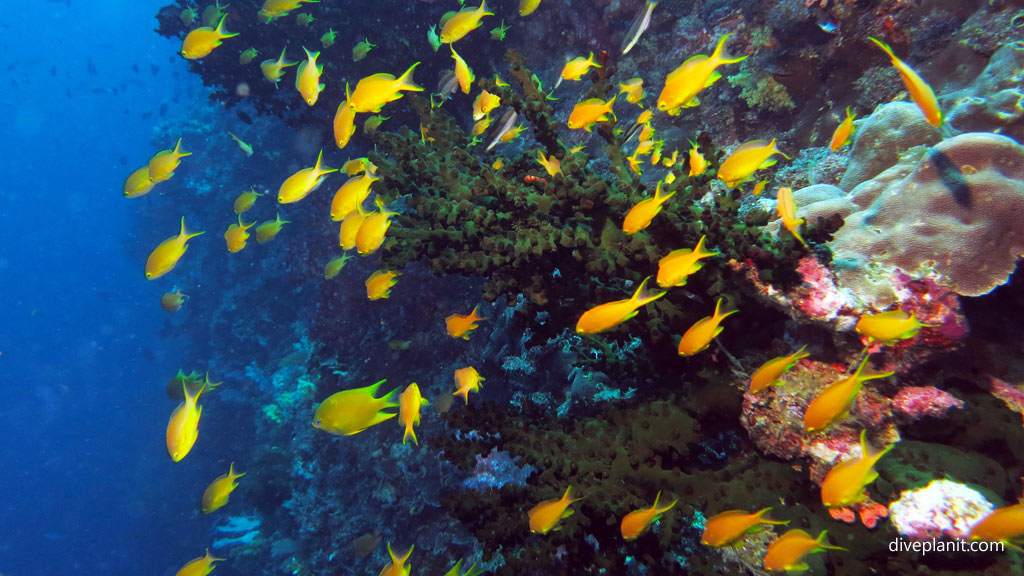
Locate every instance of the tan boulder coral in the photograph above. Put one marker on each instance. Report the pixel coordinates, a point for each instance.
(994, 101)
(955, 219)
(881, 138)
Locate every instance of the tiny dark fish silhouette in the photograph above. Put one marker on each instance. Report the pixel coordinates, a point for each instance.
(244, 117)
(163, 109)
(951, 178)
(91, 67)
(135, 68)
(154, 69)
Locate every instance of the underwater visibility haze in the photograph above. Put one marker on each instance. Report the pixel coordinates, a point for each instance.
(548, 287)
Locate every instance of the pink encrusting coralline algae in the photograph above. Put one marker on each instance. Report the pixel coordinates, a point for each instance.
(942, 508)
(915, 402)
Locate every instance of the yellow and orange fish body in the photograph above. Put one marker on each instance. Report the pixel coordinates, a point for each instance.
(467, 380)
(463, 73)
(183, 426)
(888, 327)
(770, 372)
(200, 566)
(527, 7)
(270, 229)
(635, 523)
(551, 164)
(697, 162)
(633, 89)
(920, 92)
(299, 185)
(397, 566)
(138, 183)
(678, 265)
(344, 123)
(788, 551)
(845, 483)
(546, 516)
(587, 113)
(462, 325)
(834, 401)
(216, 494)
(245, 201)
(370, 236)
(350, 228)
(750, 157)
(643, 212)
(575, 69)
(379, 284)
(484, 103)
(699, 336)
(409, 403)
(373, 92)
(172, 301)
(455, 25)
(843, 132)
(351, 195)
(237, 235)
(606, 316)
(273, 70)
(727, 528)
(697, 73)
(351, 411)
(163, 164)
(201, 41)
(307, 78)
(274, 9)
(165, 256)
(786, 206)
(1004, 525)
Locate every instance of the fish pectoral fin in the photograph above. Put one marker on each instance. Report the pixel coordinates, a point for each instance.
(380, 417)
(768, 163)
(691, 103)
(797, 568)
(715, 77)
(568, 512)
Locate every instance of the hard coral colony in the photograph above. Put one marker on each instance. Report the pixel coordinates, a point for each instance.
(564, 202)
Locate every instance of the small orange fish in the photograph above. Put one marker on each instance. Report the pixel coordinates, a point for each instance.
(678, 265)
(351, 411)
(788, 551)
(300, 184)
(545, 517)
(920, 92)
(200, 566)
(643, 212)
(697, 162)
(344, 123)
(610, 314)
(843, 132)
(845, 483)
(699, 336)
(409, 403)
(635, 523)
(166, 255)
(138, 183)
(237, 235)
(397, 566)
(163, 164)
(770, 372)
(462, 325)
(270, 229)
(200, 42)
(370, 236)
(786, 206)
(216, 494)
(183, 426)
(726, 528)
(245, 200)
(888, 327)
(832, 403)
(172, 301)
(467, 380)
(379, 284)
(1004, 525)
(587, 113)
(350, 227)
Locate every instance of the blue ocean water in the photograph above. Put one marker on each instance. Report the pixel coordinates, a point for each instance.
(84, 484)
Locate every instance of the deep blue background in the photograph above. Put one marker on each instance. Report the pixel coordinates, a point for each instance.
(85, 484)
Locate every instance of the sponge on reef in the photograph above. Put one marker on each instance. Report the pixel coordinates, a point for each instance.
(954, 218)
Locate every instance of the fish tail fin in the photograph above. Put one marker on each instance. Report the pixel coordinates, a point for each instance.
(820, 541)
(474, 570)
(389, 399)
(410, 432)
(801, 353)
(184, 233)
(405, 81)
(178, 151)
(395, 559)
(702, 250)
(610, 104)
(883, 46)
(477, 315)
(483, 9)
(775, 148)
(642, 296)
(463, 393)
(719, 54)
(591, 60)
(211, 558)
(659, 197)
(718, 310)
(220, 28)
(232, 473)
(763, 511)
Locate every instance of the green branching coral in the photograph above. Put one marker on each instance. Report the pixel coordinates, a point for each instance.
(760, 91)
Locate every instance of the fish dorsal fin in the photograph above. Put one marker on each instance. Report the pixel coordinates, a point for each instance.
(747, 146)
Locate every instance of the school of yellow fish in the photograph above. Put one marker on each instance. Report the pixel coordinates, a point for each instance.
(351, 411)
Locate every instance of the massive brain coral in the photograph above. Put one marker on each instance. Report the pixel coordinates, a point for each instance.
(956, 218)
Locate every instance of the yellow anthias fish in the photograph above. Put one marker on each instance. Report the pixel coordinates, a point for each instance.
(273, 9)
(163, 164)
(845, 483)
(213, 13)
(920, 92)
(551, 164)
(463, 73)
(498, 33)
(333, 268)
(462, 325)
(307, 78)
(514, 133)
(684, 83)
(633, 89)
(351, 195)
(888, 327)
(356, 166)
(610, 314)
(409, 404)
(832, 403)
(327, 40)
(575, 69)
(183, 426)
(138, 183)
(643, 212)
(299, 185)
(635, 523)
(481, 126)
(270, 229)
(484, 103)
(188, 16)
(671, 161)
(644, 117)
(237, 235)
(786, 206)
(370, 235)
(590, 111)
(244, 146)
(172, 301)
(165, 256)
(248, 55)
(379, 284)
(351, 411)
(371, 124)
(216, 494)
(344, 123)
(788, 551)
(634, 164)
(273, 70)
(697, 162)
(678, 265)
(1004, 525)
(373, 92)
(200, 42)
(645, 144)
(703, 331)
(245, 200)
(527, 7)
(727, 528)
(200, 566)
(350, 227)
(456, 570)
(455, 25)
(545, 517)
(360, 50)
(397, 566)
(770, 372)
(842, 134)
(467, 380)
(747, 159)
(759, 187)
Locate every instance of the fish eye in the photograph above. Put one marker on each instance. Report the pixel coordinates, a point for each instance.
(316, 423)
